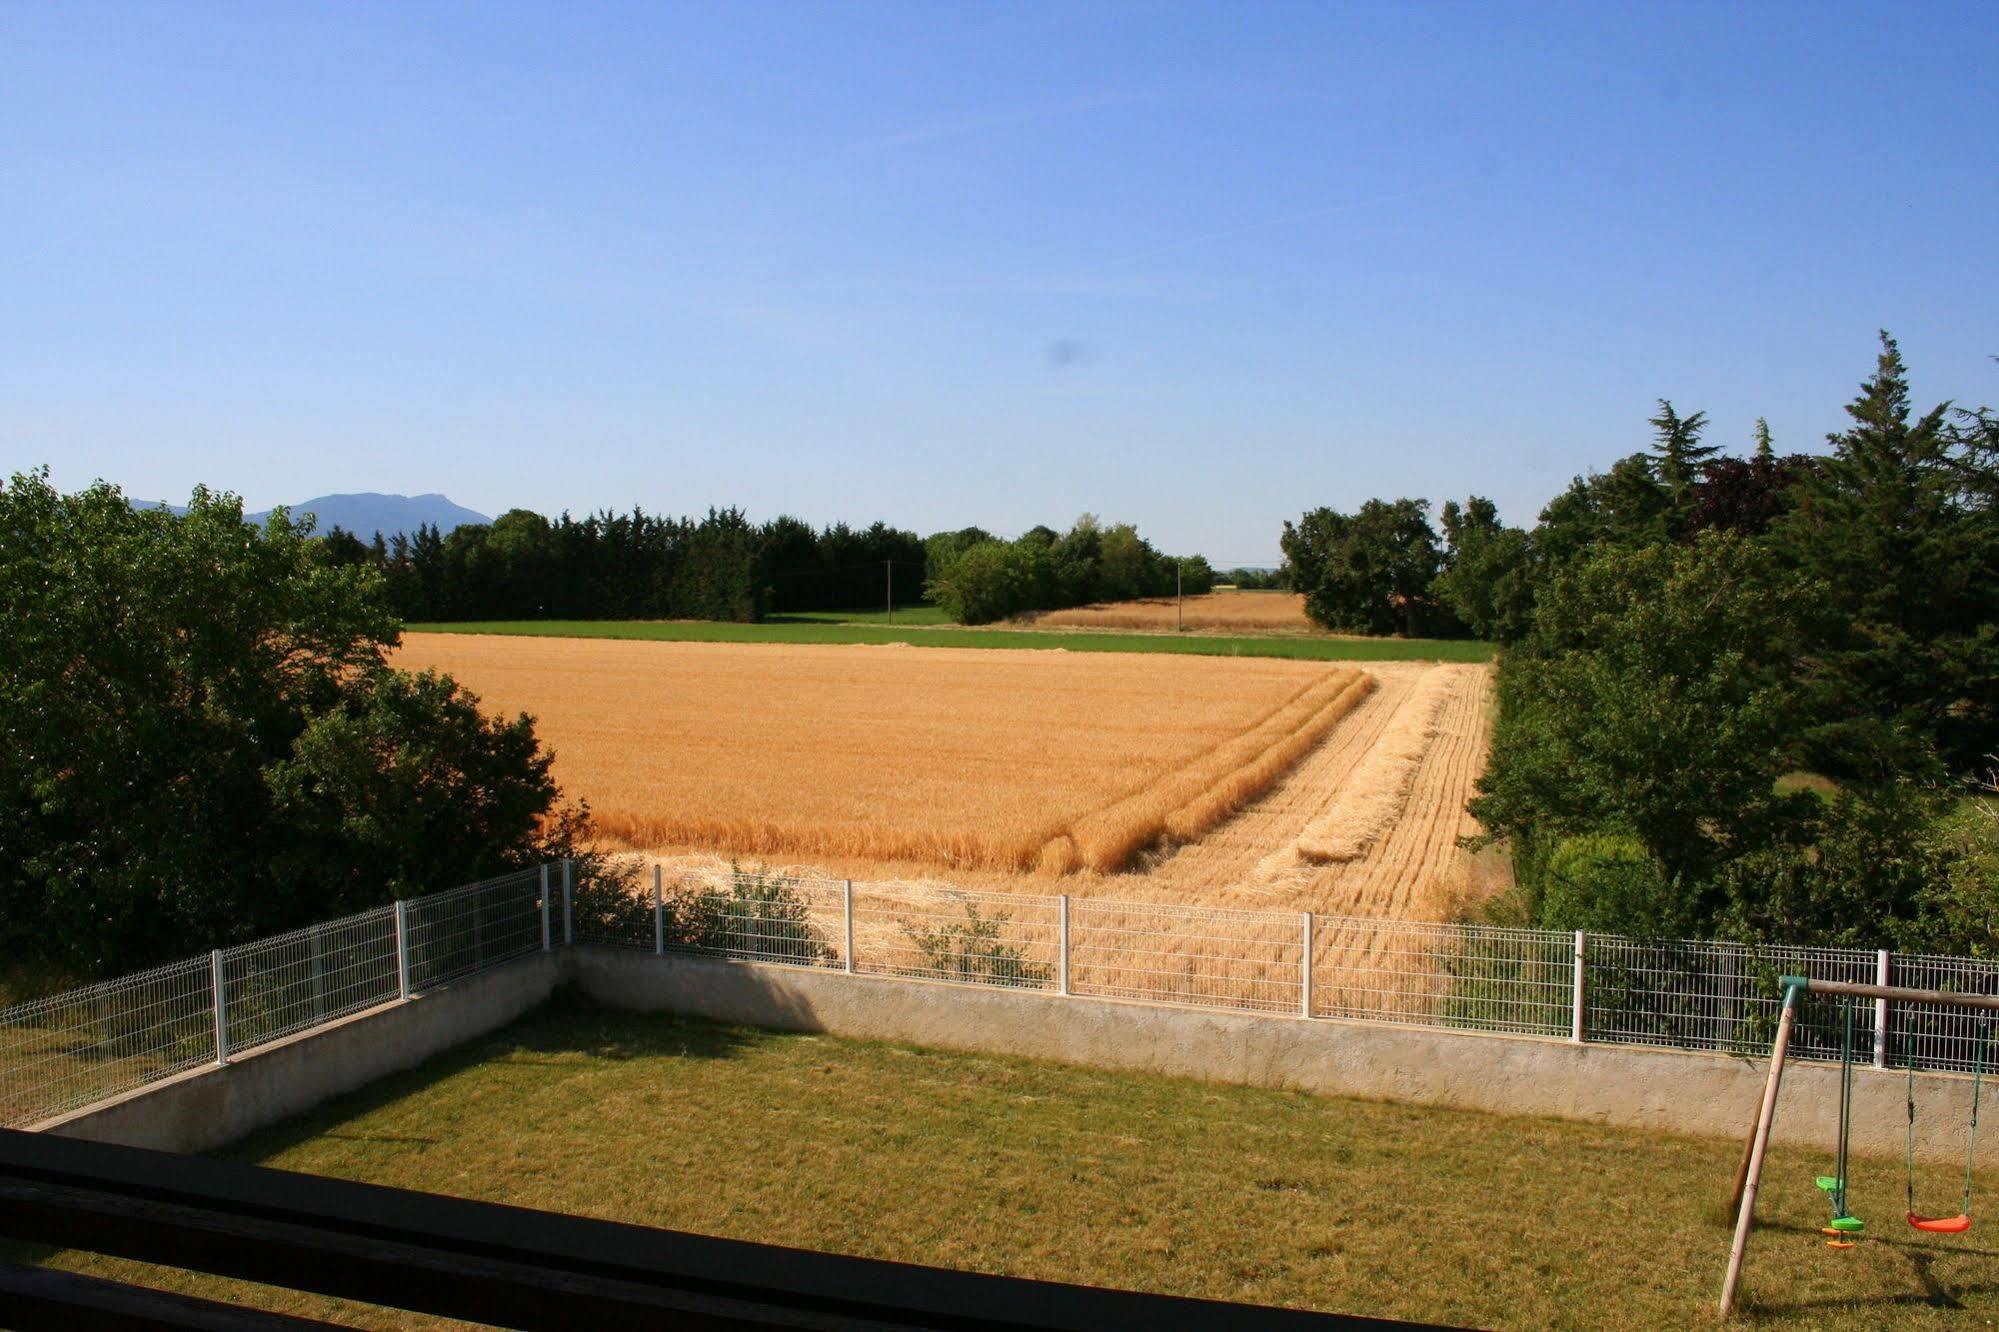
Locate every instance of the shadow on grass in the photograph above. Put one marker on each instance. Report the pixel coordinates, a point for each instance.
(551, 1036)
(1921, 1258)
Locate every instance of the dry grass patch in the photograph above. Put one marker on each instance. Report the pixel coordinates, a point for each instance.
(1255, 612)
(968, 759)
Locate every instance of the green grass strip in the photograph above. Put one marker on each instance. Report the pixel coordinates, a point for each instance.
(1204, 645)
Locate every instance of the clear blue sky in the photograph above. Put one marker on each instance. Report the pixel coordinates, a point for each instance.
(1199, 267)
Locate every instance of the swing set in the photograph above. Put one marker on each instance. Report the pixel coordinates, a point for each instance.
(1843, 1226)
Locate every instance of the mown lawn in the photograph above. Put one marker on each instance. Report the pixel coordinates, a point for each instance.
(1037, 1169)
(798, 629)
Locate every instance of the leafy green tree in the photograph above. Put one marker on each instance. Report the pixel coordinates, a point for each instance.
(193, 708)
(1368, 572)
(1625, 506)
(991, 581)
(1656, 698)
(1488, 576)
(1898, 525)
(340, 546)
(1197, 576)
(1127, 566)
(940, 548)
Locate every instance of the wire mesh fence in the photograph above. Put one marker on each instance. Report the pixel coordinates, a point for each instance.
(468, 929)
(1933, 1035)
(1716, 996)
(278, 987)
(1681, 994)
(70, 1050)
(980, 938)
(1485, 978)
(1210, 957)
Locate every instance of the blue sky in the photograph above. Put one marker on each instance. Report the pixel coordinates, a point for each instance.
(1199, 267)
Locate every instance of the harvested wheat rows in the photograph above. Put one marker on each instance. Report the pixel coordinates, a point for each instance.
(967, 759)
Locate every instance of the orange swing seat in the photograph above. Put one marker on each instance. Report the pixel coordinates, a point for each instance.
(1941, 1225)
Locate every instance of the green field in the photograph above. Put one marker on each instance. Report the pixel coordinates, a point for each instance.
(900, 615)
(799, 629)
(1045, 1170)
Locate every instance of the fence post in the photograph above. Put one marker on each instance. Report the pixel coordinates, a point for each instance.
(318, 977)
(1063, 945)
(545, 944)
(1881, 1012)
(568, 916)
(1305, 967)
(658, 917)
(847, 914)
(402, 950)
(218, 986)
(1576, 996)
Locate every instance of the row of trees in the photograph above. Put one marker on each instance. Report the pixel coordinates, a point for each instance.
(723, 567)
(1743, 696)
(977, 578)
(605, 566)
(615, 566)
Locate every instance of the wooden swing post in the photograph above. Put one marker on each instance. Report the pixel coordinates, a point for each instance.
(1752, 1171)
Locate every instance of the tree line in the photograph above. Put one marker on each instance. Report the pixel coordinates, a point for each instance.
(1739, 696)
(978, 578)
(724, 567)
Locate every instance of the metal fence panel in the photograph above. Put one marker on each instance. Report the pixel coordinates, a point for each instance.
(468, 929)
(755, 917)
(277, 987)
(69, 1050)
(1481, 977)
(1690, 994)
(1004, 939)
(1210, 956)
(1934, 1035)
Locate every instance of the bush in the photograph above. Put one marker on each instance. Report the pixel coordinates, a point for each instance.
(989, 581)
(1608, 882)
(758, 916)
(975, 951)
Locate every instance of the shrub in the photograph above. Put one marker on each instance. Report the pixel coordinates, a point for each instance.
(975, 951)
(759, 916)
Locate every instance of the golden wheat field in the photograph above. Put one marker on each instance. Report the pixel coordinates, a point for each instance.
(993, 760)
(1230, 609)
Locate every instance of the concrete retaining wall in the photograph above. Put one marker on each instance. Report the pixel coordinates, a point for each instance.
(1665, 1090)
(207, 1107)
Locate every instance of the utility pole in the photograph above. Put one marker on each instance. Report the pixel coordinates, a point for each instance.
(1179, 603)
(888, 576)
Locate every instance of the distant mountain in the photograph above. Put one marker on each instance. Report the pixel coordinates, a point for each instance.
(365, 514)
